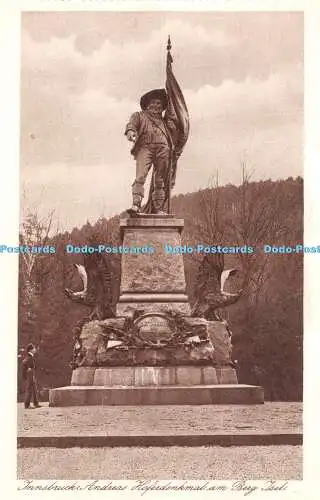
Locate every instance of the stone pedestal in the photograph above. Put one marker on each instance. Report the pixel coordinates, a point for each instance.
(234, 394)
(153, 351)
(153, 281)
(155, 339)
(149, 376)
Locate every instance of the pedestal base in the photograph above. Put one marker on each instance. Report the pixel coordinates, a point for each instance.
(154, 385)
(155, 376)
(161, 395)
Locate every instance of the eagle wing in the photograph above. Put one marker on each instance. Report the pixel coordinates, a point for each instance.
(95, 275)
(209, 274)
(99, 282)
(225, 275)
(83, 276)
(210, 285)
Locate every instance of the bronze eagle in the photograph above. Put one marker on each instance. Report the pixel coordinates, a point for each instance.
(210, 292)
(96, 277)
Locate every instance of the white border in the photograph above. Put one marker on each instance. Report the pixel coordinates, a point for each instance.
(9, 140)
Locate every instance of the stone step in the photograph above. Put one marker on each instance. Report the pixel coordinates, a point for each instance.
(161, 395)
(213, 439)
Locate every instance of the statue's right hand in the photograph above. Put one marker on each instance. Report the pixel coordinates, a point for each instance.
(131, 136)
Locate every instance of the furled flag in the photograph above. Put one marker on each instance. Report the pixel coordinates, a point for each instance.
(176, 121)
(177, 111)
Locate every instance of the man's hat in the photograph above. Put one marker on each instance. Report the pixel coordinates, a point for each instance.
(30, 347)
(154, 94)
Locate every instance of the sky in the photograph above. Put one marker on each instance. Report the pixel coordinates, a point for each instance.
(82, 75)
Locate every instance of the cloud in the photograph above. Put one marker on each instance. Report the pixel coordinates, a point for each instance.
(78, 193)
(59, 64)
(250, 100)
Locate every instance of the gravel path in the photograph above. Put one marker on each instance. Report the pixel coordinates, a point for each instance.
(126, 420)
(259, 462)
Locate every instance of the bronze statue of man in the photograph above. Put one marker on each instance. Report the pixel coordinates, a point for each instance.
(153, 131)
(159, 133)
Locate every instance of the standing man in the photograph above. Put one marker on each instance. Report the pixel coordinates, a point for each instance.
(29, 376)
(159, 133)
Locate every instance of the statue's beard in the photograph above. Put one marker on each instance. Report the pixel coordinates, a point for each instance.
(155, 112)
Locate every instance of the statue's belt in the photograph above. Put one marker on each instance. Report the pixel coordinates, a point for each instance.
(152, 143)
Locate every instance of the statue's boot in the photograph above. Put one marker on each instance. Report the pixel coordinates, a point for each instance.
(136, 205)
(158, 198)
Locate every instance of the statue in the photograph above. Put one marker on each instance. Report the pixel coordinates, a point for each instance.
(153, 340)
(95, 275)
(96, 294)
(159, 133)
(211, 281)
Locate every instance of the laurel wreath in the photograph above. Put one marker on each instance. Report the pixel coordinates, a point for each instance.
(130, 334)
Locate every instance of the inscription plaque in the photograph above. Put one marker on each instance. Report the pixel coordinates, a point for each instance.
(154, 328)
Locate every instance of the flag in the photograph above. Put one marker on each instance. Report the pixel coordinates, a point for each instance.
(176, 121)
(177, 111)
(177, 108)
